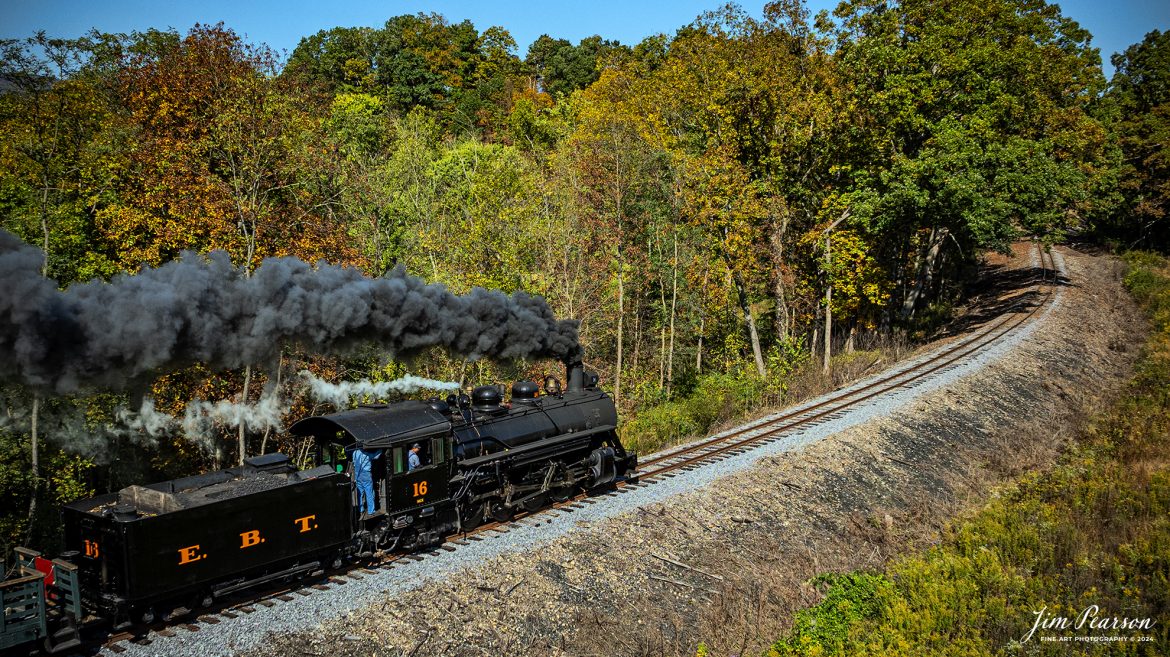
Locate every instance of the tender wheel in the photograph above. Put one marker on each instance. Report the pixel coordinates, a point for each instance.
(147, 615)
(206, 601)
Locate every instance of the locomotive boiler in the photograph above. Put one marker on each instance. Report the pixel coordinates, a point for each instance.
(134, 554)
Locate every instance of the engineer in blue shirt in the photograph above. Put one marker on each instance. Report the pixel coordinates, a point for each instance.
(363, 478)
(413, 461)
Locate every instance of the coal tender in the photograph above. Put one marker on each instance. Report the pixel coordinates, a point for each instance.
(192, 540)
(137, 554)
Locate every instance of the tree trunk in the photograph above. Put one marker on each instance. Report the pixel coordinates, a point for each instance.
(702, 322)
(673, 311)
(243, 401)
(662, 356)
(782, 325)
(828, 300)
(35, 470)
(849, 341)
(617, 383)
(45, 228)
(662, 334)
(636, 357)
(751, 323)
(275, 391)
(925, 271)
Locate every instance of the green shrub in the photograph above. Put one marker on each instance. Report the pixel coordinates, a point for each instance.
(824, 629)
(714, 398)
(657, 426)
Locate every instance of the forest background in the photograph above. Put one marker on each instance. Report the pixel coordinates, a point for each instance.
(674, 196)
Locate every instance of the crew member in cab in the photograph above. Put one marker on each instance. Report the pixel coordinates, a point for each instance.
(363, 477)
(413, 461)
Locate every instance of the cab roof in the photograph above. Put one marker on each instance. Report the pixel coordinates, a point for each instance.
(375, 427)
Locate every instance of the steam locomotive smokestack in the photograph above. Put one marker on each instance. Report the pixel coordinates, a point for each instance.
(202, 309)
(575, 373)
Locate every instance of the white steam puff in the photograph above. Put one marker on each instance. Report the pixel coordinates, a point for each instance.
(201, 419)
(341, 394)
(146, 421)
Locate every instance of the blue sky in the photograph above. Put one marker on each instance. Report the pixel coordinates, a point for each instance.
(1114, 24)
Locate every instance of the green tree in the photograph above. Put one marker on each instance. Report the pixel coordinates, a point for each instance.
(59, 125)
(340, 59)
(562, 68)
(975, 128)
(1140, 96)
(620, 182)
(486, 198)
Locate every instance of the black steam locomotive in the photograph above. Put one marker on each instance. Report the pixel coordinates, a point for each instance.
(146, 549)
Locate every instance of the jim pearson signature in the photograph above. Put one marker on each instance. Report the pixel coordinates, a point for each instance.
(1089, 617)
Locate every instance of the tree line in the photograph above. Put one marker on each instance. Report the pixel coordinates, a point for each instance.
(693, 199)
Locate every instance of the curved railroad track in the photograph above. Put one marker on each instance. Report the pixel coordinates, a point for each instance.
(655, 468)
(826, 408)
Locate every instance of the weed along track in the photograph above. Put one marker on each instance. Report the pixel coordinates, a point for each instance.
(239, 626)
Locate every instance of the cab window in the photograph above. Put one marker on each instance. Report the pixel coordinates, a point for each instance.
(334, 456)
(438, 450)
(399, 460)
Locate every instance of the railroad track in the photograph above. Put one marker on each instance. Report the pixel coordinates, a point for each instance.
(655, 468)
(832, 407)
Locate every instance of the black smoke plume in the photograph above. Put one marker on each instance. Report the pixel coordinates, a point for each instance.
(100, 335)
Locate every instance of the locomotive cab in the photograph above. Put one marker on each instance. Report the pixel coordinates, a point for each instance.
(407, 499)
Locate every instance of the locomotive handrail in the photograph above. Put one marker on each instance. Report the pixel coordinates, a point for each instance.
(534, 446)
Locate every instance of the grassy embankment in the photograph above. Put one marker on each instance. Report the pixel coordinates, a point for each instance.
(1093, 530)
